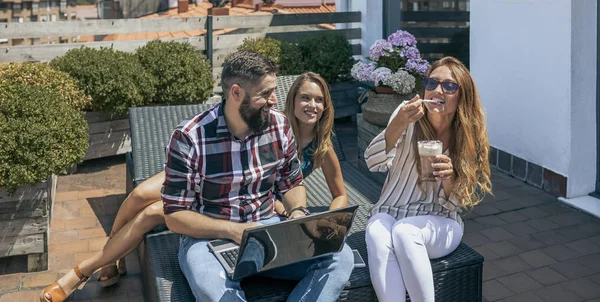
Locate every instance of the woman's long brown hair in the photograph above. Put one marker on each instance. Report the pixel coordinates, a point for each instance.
(469, 146)
(324, 127)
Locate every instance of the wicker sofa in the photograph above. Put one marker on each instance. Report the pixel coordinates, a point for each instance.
(458, 276)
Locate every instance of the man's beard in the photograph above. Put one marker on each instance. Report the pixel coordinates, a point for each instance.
(254, 118)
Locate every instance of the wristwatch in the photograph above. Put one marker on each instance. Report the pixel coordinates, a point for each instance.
(300, 208)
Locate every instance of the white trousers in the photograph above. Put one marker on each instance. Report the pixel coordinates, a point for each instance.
(399, 253)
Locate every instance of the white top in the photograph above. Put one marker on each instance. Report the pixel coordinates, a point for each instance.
(401, 196)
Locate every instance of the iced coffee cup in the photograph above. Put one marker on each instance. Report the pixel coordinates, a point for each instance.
(428, 150)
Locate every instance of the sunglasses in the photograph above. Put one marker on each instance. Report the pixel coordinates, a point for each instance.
(447, 86)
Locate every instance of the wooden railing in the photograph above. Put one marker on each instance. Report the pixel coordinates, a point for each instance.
(439, 33)
(228, 32)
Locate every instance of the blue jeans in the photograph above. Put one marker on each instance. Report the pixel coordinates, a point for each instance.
(321, 279)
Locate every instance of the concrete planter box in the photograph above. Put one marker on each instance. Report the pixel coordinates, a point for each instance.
(108, 135)
(345, 98)
(25, 220)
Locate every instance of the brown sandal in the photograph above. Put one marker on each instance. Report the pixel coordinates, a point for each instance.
(119, 267)
(56, 292)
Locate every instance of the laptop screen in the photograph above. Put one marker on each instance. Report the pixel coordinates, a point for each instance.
(295, 240)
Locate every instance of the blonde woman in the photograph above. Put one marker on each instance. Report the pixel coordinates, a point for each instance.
(310, 111)
(415, 220)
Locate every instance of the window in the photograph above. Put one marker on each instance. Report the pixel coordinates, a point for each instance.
(73, 16)
(16, 8)
(44, 18)
(44, 5)
(53, 4)
(26, 5)
(15, 20)
(63, 5)
(34, 18)
(4, 6)
(35, 8)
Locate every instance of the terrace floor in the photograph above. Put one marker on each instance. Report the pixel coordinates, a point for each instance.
(535, 247)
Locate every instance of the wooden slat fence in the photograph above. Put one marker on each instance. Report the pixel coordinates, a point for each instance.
(228, 33)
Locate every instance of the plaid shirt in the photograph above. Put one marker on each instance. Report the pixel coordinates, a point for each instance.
(211, 172)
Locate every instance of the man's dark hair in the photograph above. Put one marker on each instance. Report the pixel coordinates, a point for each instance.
(245, 68)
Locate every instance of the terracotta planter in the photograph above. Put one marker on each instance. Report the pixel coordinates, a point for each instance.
(379, 106)
(384, 90)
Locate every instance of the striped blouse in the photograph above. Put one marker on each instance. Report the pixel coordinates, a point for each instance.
(401, 196)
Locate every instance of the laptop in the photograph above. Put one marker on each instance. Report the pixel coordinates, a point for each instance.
(275, 245)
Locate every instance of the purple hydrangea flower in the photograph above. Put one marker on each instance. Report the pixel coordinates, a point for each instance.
(402, 38)
(410, 52)
(418, 65)
(362, 71)
(379, 49)
(381, 76)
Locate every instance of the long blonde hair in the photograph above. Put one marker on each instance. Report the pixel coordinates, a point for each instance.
(469, 146)
(324, 127)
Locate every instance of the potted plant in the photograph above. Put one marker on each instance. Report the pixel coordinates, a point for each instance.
(395, 68)
(116, 81)
(330, 55)
(43, 134)
(182, 74)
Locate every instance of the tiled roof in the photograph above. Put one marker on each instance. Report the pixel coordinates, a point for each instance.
(201, 9)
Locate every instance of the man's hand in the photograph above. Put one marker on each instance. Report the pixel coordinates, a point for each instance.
(237, 230)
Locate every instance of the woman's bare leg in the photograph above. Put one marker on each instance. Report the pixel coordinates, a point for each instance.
(143, 195)
(123, 243)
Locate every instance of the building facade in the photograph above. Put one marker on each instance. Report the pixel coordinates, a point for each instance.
(36, 11)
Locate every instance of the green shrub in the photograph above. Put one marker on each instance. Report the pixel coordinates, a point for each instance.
(329, 55)
(287, 55)
(114, 79)
(43, 75)
(41, 134)
(183, 75)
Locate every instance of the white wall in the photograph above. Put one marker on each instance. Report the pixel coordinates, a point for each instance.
(529, 58)
(371, 16)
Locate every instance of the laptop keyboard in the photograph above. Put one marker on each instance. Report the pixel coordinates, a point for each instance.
(231, 256)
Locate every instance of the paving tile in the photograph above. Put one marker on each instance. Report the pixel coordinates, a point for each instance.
(519, 283)
(520, 228)
(556, 293)
(568, 219)
(590, 261)
(537, 258)
(472, 226)
(527, 243)
(499, 195)
(534, 212)
(555, 207)
(503, 248)
(490, 221)
(542, 224)
(583, 288)
(9, 282)
(511, 265)
(492, 271)
(524, 297)
(560, 252)
(475, 239)
(512, 217)
(91, 233)
(572, 269)
(486, 209)
(486, 253)
(25, 296)
(551, 237)
(38, 279)
(546, 276)
(594, 277)
(584, 246)
(497, 234)
(510, 205)
(494, 290)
